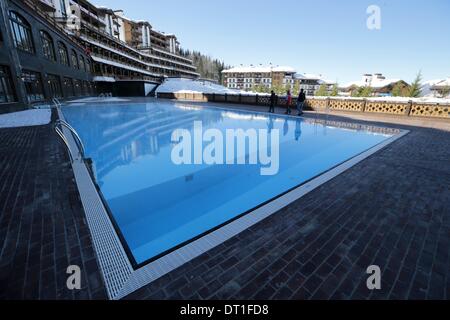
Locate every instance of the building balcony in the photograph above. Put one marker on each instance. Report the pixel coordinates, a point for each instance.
(45, 5)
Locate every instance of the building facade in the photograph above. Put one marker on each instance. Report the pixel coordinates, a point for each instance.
(441, 88)
(253, 78)
(38, 60)
(69, 48)
(310, 83)
(130, 57)
(249, 78)
(379, 84)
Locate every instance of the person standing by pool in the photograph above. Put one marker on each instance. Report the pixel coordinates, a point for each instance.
(273, 99)
(289, 102)
(301, 102)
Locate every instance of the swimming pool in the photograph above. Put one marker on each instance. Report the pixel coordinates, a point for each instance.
(157, 205)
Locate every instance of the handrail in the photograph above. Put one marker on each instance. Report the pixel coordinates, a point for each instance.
(56, 102)
(63, 138)
(75, 134)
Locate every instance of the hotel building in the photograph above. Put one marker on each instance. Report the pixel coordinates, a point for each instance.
(38, 60)
(69, 48)
(249, 78)
(311, 83)
(380, 85)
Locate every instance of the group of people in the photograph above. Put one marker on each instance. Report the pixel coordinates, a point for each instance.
(300, 102)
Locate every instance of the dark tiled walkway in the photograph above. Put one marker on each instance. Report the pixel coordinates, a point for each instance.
(42, 225)
(391, 210)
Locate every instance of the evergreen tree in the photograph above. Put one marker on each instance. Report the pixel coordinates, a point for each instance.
(208, 67)
(335, 90)
(296, 89)
(278, 89)
(415, 89)
(323, 91)
(355, 91)
(445, 92)
(366, 92)
(397, 90)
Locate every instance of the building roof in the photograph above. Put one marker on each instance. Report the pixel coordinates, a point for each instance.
(442, 83)
(311, 76)
(308, 76)
(259, 69)
(375, 83)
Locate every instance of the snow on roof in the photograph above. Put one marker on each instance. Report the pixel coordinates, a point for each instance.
(442, 83)
(375, 83)
(259, 69)
(309, 76)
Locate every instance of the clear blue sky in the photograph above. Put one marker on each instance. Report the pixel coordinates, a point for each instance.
(321, 36)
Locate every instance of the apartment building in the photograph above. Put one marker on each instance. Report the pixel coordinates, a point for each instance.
(439, 88)
(311, 83)
(38, 59)
(68, 48)
(381, 86)
(130, 57)
(248, 78)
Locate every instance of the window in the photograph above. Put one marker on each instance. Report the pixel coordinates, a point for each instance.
(68, 85)
(88, 66)
(55, 86)
(47, 46)
(77, 87)
(75, 60)
(33, 86)
(62, 4)
(21, 32)
(63, 55)
(82, 67)
(6, 86)
(85, 88)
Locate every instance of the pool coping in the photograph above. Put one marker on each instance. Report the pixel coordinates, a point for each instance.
(119, 276)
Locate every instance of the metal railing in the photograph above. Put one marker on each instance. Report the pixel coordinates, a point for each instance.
(64, 140)
(57, 103)
(58, 128)
(59, 124)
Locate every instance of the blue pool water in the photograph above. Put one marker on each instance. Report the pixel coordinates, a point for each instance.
(158, 205)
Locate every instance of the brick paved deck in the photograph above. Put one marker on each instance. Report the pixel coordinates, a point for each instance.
(391, 209)
(42, 224)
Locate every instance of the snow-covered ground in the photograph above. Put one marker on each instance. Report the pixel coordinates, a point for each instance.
(180, 85)
(394, 99)
(99, 99)
(25, 118)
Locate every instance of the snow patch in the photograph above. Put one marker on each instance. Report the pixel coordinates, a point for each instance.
(181, 85)
(25, 118)
(99, 99)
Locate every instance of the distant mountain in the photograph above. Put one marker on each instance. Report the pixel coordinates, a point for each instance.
(208, 67)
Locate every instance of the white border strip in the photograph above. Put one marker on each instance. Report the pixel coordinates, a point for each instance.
(119, 276)
(113, 260)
